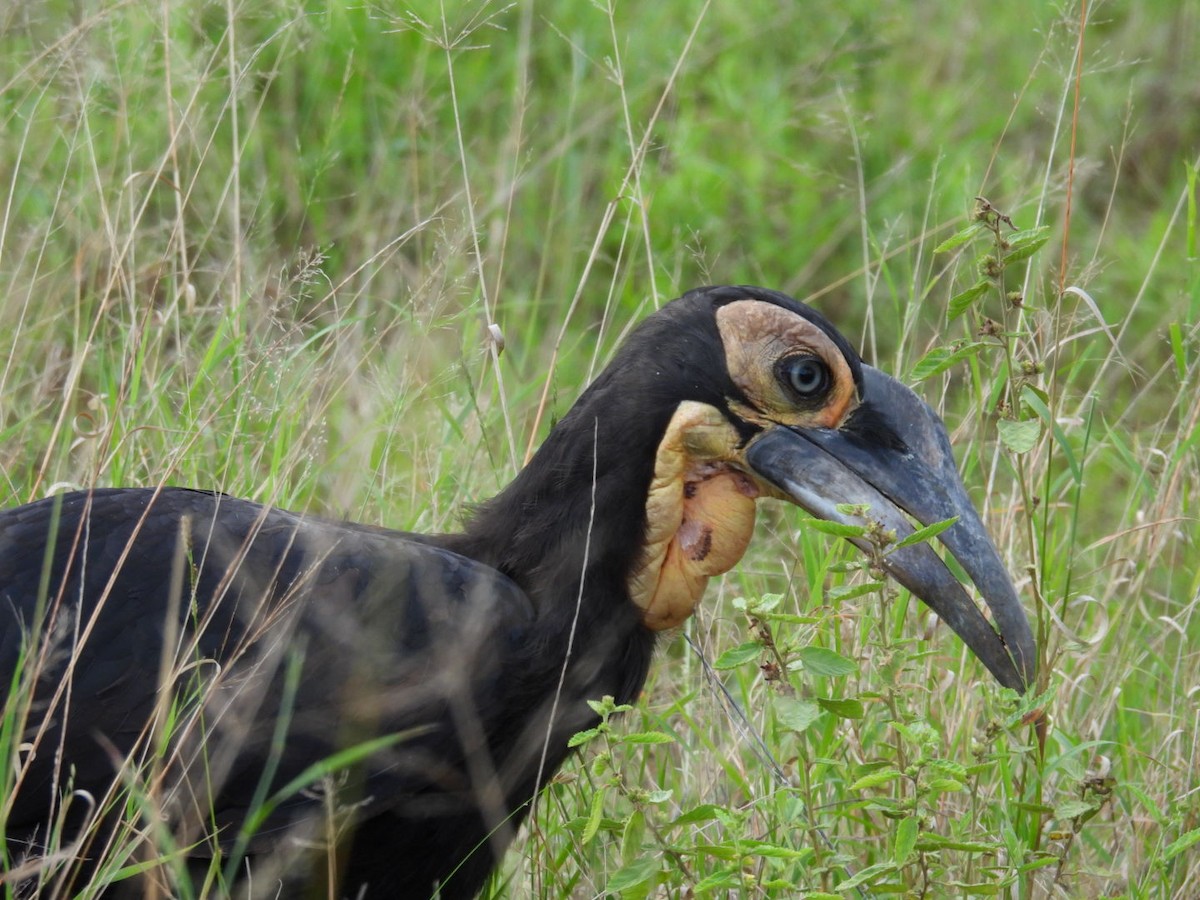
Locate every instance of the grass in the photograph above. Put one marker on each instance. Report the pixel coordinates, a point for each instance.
(258, 247)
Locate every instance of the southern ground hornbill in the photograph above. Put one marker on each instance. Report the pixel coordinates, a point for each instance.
(375, 710)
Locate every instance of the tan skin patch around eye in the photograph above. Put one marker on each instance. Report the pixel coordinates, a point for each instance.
(756, 335)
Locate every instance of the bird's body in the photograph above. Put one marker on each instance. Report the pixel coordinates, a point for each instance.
(216, 651)
(345, 631)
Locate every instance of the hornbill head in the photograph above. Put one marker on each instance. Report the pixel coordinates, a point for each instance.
(785, 408)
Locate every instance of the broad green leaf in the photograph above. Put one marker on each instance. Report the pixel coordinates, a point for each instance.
(845, 708)
(866, 876)
(920, 733)
(594, 815)
(1147, 801)
(582, 737)
(827, 663)
(631, 839)
(1019, 436)
(1036, 399)
(647, 737)
(639, 871)
(876, 778)
(939, 359)
(795, 713)
(705, 812)
(1028, 236)
(977, 889)
(758, 605)
(772, 887)
(890, 808)
(1181, 843)
(951, 768)
(961, 302)
(924, 534)
(933, 841)
(607, 705)
(906, 839)
(1024, 253)
(959, 238)
(728, 877)
(765, 603)
(1023, 244)
(718, 851)
(773, 851)
(738, 656)
(944, 785)
(837, 529)
(1071, 809)
(850, 591)
(898, 888)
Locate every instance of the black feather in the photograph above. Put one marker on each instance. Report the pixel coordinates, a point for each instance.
(477, 651)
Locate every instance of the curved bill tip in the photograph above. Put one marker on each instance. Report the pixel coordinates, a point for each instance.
(893, 457)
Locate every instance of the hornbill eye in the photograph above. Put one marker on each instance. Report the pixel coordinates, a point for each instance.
(808, 377)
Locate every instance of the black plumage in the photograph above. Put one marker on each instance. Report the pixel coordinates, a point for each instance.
(283, 639)
(388, 632)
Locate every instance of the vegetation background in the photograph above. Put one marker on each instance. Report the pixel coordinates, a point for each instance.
(259, 247)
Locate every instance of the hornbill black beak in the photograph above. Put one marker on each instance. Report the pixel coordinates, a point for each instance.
(893, 455)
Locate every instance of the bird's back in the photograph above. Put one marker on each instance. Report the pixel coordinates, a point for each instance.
(220, 649)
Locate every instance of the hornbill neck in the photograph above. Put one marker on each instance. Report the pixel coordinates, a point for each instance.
(577, 511)
(562, 531)
(571, 529)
